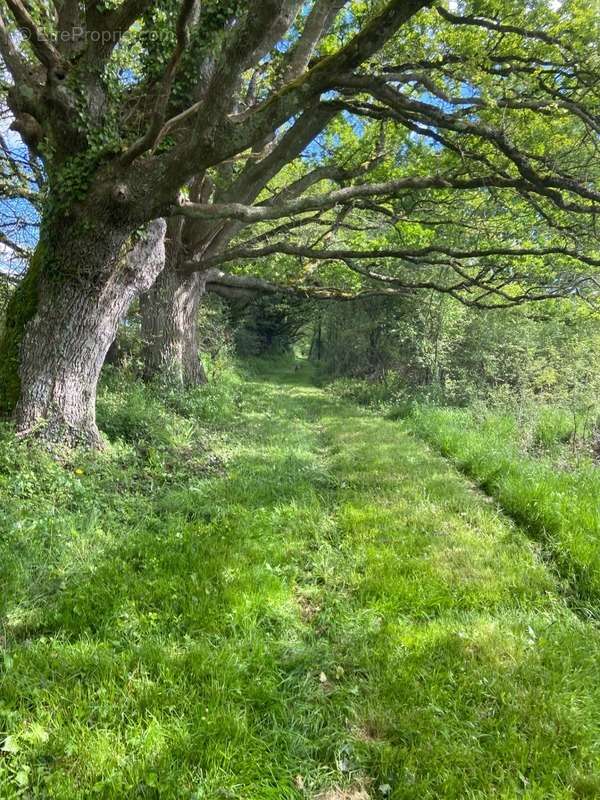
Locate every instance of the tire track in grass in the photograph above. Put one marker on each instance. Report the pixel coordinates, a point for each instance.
(451, 666)
(568, 548)
(461, 669)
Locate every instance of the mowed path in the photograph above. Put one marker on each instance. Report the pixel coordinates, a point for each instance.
(340, 616)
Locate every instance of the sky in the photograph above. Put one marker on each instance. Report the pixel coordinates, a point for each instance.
(17, 217)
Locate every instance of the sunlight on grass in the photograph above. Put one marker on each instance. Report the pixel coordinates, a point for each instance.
(309, 599)
(559, 507)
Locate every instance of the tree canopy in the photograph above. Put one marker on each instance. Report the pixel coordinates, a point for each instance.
(450, 147)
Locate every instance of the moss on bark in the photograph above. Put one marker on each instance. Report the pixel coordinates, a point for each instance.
(20, 310)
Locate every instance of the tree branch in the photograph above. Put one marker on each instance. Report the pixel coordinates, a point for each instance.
(246, 213)
(15, 64)
(217, 139)
(413, 254)
(152, 135)
(317, 24)
(46, 53)
(500, 27)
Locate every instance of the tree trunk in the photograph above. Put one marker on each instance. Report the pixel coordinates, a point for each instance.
(169, 322)
(84, 289)
(19, 311)
(315, 345)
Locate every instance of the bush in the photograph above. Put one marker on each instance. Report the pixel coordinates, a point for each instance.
(390, 391)
(162, 416)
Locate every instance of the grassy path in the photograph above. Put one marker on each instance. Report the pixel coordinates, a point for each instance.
(339, 616)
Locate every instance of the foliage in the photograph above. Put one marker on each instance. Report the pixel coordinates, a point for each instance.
(480, 102)
(215, 340)
(158, 415)
(19, 309)
(269, 325)
(6, 290)
(215, 331)
(431, 346)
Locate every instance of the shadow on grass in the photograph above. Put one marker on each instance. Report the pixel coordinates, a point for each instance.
(338, 606)
(150, 657)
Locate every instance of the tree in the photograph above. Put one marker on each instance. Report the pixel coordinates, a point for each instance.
(493, 119)
(207, 112)
(171, 347)
(169, 313)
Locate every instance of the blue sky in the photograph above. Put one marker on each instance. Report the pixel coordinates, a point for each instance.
(18, 218)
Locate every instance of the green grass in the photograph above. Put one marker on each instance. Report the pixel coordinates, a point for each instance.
(260, 592)
(557, 503)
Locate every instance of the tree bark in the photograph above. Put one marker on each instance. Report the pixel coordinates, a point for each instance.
(169, 329)
(84, 289)
(169, 313)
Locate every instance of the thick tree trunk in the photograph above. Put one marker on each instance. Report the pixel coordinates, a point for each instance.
(84, 289)
(169, 321)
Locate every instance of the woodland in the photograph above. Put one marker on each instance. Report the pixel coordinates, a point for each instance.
(299, 399)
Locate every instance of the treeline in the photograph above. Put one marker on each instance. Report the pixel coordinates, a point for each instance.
(432, 346)
(426, 347)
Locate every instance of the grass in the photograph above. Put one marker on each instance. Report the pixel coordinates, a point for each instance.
(556, 504)
(260, 592)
